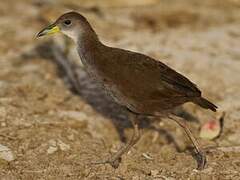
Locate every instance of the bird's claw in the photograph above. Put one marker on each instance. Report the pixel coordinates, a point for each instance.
(201, 160)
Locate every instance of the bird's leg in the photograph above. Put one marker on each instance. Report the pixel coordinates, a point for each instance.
(201, 157)
(115, 159)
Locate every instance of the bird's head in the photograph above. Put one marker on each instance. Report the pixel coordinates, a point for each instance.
(71, 24)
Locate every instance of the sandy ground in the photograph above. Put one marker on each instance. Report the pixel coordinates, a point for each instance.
(53, 132)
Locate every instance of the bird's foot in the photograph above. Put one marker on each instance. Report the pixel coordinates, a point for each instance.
(201, 160)
(114, 162)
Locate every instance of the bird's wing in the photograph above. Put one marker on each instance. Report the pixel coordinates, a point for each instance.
(173, 80)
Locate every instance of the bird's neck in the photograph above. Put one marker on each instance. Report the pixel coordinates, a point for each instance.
(88, 45)
(87, 39)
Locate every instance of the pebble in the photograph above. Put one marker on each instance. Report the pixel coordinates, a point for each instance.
(80, 116)
(62, 145)
(52, 146)
(154, 173)
(55, 145)
(52, 149)
(6, 153)
(147, 156)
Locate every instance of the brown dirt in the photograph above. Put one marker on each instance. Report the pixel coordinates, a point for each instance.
(54, 133)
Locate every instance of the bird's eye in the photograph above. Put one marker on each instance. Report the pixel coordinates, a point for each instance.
(67, 22)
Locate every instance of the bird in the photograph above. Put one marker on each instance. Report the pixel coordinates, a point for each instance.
(140, 84)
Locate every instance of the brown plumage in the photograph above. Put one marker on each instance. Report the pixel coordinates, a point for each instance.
(140, 83)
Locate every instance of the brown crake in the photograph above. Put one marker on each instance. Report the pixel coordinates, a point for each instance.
(138, 82)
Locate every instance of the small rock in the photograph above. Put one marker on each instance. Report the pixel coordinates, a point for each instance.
(80, 116)
(154, 173)
(54, 145)
(147, 156)
(52, 149)
(63, 146)
(6, 153)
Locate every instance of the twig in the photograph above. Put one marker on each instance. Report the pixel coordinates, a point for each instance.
(235, 149)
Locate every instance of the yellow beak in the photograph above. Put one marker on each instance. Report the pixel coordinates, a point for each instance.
(51, 29)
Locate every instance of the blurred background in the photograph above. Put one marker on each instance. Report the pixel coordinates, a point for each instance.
(48, 130)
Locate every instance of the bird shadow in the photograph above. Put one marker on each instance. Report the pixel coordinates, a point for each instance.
(95, 96)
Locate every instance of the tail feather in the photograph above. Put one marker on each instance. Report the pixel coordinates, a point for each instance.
(204, 103)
